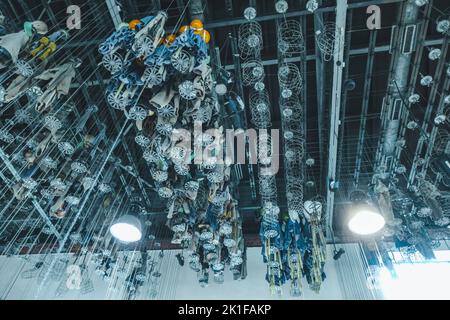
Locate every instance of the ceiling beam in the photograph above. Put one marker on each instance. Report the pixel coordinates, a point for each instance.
(237, 21)
(210, 25)
(352, 52)
(341, 157)
(336, 94)
(320, 96)
(269, 62)
(114, 11)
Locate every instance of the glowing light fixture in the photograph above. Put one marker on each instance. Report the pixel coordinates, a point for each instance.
(127, 229)
(420, 3)
(366, 221)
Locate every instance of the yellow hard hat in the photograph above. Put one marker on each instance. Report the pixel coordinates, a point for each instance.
(196, 24)
(133, 23)
(183, 29)
(204, 34)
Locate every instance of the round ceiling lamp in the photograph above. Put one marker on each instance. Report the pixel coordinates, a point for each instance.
(127, 229)
(366, 221)
(221, 89)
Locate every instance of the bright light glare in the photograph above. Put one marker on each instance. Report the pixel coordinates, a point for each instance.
(366, 222)
(428, 280)
(127, 229)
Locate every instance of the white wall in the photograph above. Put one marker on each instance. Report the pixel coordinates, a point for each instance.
(176, 283)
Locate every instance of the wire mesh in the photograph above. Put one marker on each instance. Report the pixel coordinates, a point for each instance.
(290, 38)
(252, 72)
(250, 39)
(325, 40)
(260, 109)
(290, 79)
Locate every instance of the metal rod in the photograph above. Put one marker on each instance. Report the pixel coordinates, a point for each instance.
(36, 204)
(88, 194)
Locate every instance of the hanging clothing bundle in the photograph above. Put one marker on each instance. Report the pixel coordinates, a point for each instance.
(163, 83)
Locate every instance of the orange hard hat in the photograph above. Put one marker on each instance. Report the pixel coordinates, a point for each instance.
(133, 23)
(196, 24)
(204, 34)
(183, 29)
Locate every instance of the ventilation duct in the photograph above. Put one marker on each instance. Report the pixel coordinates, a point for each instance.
(400, 76)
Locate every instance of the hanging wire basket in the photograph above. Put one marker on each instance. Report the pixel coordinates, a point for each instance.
(441, 141)
(265, 149)
(137, 113)
(181, 169)
(116, 101)
(260, 109)
(291, 108)
(6, 136)
(294, 195)
(23, 116)
(217, 175)
(325, 40)
(153, 75)
(113, 62)
(270, 220)
(24, 68)
(187, 90)
(290, 80)
(182, 61)
(443, 22)
(34, 92)
(250, 39)
(268, 188)
(66, 148)
(142, 140)
(167, 111)
(252, 72)
(290, 38)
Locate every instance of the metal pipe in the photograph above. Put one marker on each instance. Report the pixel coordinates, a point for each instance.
(400, 66)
